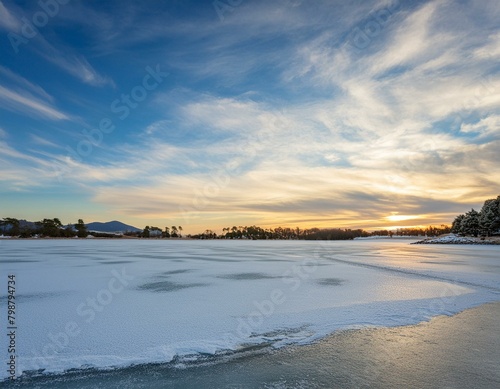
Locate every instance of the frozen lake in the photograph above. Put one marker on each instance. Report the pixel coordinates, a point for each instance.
(114, 303)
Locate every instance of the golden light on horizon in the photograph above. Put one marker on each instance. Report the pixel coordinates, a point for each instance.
(398, 218)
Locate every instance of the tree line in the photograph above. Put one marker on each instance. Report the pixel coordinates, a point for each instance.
(258, 233)
(486, 222)
(280, 233)
(156, 232)
(52, 228)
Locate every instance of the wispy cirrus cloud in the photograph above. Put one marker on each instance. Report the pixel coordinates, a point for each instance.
(77, 66)
(26, 103)
(23, 83)
(74, 64)
(7, 20)
(38, 140)
(63, 57)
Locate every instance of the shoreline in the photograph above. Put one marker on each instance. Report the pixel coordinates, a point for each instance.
(462, 240)
(462, 350)
(443, 239)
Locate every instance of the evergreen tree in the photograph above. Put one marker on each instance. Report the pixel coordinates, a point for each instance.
(470, 223)
(68, 231)
(11, 225)
(81, 229)
(456, 226)
(50, 227)
(489, 217)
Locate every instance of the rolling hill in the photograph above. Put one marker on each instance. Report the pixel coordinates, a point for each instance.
(112, 226)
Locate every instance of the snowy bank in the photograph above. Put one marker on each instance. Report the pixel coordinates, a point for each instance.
(456, 239)
(387, 237)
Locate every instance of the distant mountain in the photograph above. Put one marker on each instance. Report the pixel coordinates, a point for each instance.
(114, 226)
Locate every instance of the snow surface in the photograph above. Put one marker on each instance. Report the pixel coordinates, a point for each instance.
(454, 239)
(110, 303)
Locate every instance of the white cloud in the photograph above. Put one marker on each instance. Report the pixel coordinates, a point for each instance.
(28, 104)
(412, 42)
(155, 127)
(7, 20)
(77, 66)
(491, 50)
(72, 63)
(487, 126)
(42, 141)
(25, 84)
(421, 69)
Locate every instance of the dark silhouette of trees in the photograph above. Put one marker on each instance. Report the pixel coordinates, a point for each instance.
(11, 226)
(81, 229)
(155, 232)
(50, 227)
(456, 226)
(484, 223)
(208, 234)
(489, 217)
(470, 223)
(69, 231)
(255, 232)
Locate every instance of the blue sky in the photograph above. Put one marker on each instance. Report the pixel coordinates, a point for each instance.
(211, 114)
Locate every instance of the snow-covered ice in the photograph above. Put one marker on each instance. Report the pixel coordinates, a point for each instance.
(109, 303)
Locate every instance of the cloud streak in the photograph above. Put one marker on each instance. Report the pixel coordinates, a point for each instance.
(7, 20)
(29, 104)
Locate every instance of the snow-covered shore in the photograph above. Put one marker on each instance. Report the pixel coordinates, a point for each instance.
(387, 237)
(456, 239)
